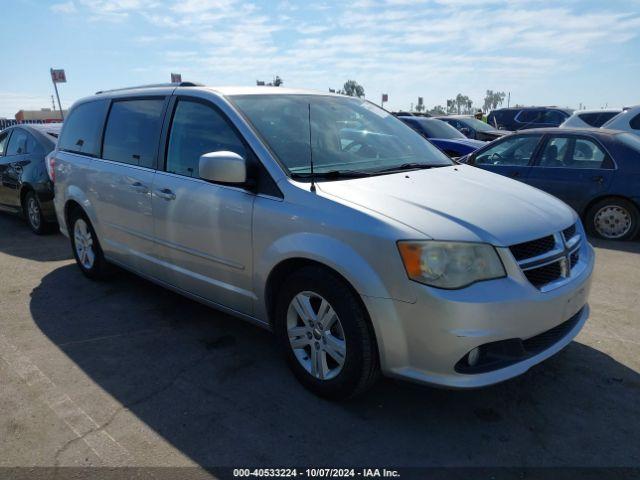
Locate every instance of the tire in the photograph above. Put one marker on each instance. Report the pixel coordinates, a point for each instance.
(613, 219)
(348, 335)
(86, 247)
(33, 214)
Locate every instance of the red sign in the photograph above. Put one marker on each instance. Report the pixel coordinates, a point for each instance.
(176, 78)
(58, 76)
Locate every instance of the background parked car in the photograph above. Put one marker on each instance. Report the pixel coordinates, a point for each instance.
(595, 171)
(442, 135)
(25, 186)
(523, 118)
(589, 118)
(473, 128)
(628, 120)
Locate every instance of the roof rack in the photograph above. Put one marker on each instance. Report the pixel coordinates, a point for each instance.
(153, 85)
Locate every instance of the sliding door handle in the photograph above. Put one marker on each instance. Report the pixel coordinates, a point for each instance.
(166, 194)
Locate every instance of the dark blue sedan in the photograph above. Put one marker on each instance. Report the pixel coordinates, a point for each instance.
(443, 136)
(596, 171)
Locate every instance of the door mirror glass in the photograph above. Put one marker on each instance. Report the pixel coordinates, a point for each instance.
(223, 167)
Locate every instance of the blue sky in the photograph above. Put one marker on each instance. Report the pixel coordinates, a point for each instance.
(561, 52)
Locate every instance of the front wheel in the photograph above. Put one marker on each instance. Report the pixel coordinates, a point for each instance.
(325, 334)
(613, 219)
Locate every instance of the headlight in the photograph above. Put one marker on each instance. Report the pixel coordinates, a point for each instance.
(450, 264)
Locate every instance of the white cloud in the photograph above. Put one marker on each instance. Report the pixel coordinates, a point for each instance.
(65, 7)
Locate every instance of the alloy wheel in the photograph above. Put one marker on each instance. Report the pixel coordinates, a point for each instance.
(316, 335)
(33, 212)
(83, 242)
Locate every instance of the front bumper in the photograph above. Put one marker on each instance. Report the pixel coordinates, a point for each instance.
(423, 341)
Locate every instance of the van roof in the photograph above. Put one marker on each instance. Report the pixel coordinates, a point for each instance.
(222, 90)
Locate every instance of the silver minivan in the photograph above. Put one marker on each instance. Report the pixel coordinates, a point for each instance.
(328, 221)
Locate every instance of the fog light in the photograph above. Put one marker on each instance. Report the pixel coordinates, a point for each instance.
(473, 357)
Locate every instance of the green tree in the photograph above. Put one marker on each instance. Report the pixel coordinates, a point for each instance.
(352, 89)
(492, 100)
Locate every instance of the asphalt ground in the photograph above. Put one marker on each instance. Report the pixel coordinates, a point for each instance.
(126, 373)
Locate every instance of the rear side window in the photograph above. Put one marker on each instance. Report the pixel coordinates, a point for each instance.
(198, 129)
(553, 116)
(586, 154)
(18, 142)
(133, 130)
(81, 130)
(635, 122)
(597, 119)
(4, 137)
(529, 116)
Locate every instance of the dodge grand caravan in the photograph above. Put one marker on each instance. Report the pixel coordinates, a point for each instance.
(327, 220)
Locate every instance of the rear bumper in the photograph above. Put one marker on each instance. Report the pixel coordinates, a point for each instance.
(425, 340)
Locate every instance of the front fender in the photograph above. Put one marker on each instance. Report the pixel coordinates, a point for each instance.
(323, 249)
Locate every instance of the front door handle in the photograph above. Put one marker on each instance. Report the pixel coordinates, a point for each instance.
(598, 178)
(166, 194)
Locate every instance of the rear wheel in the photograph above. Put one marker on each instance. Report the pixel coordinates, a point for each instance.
(85, 246)
(613, 219)
(33, 214)
(325, 334)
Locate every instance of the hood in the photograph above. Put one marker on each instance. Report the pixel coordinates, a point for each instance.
(460, 202)
(462, 141)
(496, 133)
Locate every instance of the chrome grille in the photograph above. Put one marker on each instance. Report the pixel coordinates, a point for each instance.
(548, 261)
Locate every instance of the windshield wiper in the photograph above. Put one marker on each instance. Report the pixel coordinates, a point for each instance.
(332, 174)
(408, 166)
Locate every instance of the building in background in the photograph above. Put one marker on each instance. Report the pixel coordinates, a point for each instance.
(44, 115)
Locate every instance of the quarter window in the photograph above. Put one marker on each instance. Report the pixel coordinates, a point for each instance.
(198, 129)
(18, 142)
(82, 128)
(133, 131)
(513, 151)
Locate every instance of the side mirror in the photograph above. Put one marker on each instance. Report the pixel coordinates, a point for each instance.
(223, 167)
(465, 130)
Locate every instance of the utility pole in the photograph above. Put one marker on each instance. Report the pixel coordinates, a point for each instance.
(508, 99)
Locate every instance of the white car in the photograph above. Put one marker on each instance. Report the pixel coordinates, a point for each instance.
(628, 121)
(589, 118)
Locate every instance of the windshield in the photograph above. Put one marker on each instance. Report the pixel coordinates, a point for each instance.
(478, 125)
(347, 134)
(439, 129)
